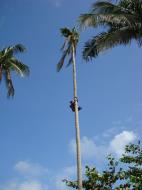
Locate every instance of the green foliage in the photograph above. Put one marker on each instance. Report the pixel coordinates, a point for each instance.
(71, 41)
(133, 159)
(9, 63)
(126, 177)
(122, 22)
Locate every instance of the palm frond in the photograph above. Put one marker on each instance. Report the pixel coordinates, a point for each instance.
(71, 40)
(140, 41)
(105, 7)
(10, 51)
(64, 45)
(70, 61)
(87, 20)
(65, 32)
(18, 66)
(105, 13)
(122, 20)
(131, 4)
(17, 48)
(107, 40)
(123, 6)
(72, 36)
(9, 63)
(95, 20)
(62, 60)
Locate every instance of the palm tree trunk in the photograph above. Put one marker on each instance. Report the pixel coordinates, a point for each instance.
(9, 83)
(78, 148)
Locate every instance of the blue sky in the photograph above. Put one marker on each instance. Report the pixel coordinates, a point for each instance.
(37, 127)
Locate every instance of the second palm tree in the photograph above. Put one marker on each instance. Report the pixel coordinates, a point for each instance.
(8, 63)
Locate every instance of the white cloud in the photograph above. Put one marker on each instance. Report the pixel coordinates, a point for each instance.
(117, 144)
(109, 132)
(32, 185)
(88, 148)
(32, 181)
(27, 168)
(68, 172)
(11, 186)
(32, 178)
(97, 151)
(24, 185)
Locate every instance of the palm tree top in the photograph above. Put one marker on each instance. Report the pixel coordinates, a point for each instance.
(8, 63)
(71, 40)
(12, 50)
(122, 21)
(72, 35)
(8, 59)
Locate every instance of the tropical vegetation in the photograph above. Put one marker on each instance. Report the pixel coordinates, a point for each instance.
(9, 63)
(120, 21)
(124, 174)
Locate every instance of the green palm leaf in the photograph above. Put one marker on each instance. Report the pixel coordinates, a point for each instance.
(71, 39)
(19, 48)
(95, 20)
(61, 62)
(9, 63)
(107, 40)
(19, 67)
(122, 21)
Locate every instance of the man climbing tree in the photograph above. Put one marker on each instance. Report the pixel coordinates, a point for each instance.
(72, 106)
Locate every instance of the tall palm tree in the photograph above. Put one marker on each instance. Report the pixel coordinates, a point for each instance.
(122, 23)
(69, 50)
(9, 63)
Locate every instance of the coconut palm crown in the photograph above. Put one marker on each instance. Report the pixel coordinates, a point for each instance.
(71, 40)
(8, 63)
(122, 23)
